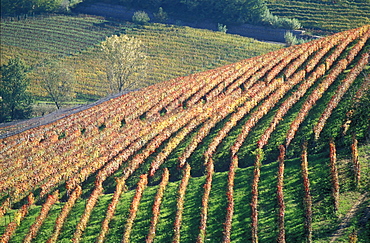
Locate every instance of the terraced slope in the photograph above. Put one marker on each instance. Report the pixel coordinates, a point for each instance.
(195, 158)
(173, 50)
(327, 16)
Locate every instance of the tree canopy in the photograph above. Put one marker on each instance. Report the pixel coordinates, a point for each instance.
(231, 11)
(14, 7)
(125, 61)
(58, 80)
(15, 101)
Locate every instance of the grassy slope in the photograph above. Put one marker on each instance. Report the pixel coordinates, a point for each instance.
(325, 222)
(323, 16)
(173, 50)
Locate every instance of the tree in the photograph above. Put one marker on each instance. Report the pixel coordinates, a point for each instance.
(140, 17)
(161, 16)
(125, 61)
(10, 7)
(242, 11)
(58, 80)
(15, 101)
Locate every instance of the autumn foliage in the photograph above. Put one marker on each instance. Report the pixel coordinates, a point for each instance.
(220, 118)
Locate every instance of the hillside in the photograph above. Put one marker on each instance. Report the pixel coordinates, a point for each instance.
(268, 147)
(173, 50)
(324, 17)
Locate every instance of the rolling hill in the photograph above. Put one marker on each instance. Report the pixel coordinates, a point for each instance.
(324, 16)
(262, 149)
(74, 40)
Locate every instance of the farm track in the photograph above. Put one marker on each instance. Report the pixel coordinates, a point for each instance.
(346, 221)
(12, 128)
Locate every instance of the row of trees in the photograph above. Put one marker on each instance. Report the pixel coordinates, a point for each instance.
(16, 7)
(229, 12)
(15, 98)
(234, 11)
(125, 65)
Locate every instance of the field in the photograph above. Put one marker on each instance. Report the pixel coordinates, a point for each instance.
(173, 50)
(268, 147)
(324, 17)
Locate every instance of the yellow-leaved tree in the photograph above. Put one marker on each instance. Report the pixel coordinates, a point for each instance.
(58, 80)
(126, 62)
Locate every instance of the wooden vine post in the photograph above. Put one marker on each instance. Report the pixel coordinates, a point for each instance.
(355, 161)
(307, 201)
(205, 199)
(230, 199)
(280, 196)
(334, 174)
(180, 202)
(18, 217)
(156, 206)
(254, 203)
(141, 185)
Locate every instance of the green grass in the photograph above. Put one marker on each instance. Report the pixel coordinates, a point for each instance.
(22, 230)
(324, 224)
(191, 216)
(167, 216)
(143, 217)
(47, 227)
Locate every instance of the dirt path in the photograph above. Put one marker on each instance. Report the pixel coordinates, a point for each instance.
(12, 128)
(347, 218)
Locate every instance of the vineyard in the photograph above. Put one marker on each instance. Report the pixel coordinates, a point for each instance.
(326, 16)
(74, 41)
(265, 149)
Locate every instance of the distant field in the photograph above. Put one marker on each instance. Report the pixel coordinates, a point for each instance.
(55, 34)
(324, 16)
(173, 50)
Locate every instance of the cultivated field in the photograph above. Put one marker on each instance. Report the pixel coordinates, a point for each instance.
(324, 16)
(173, 50)
(263, 148)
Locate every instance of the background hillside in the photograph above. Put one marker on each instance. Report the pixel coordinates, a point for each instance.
(173, 50)
(73, 40)
(323, 17)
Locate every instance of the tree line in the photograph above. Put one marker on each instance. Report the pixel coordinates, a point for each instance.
(18, 7)
(227, 12)
(233, 12)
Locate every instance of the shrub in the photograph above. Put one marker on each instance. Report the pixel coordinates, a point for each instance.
(281, 22)
(140, 17)
(290, 39)
(161, 16)
(222, 28)
(287, 23)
